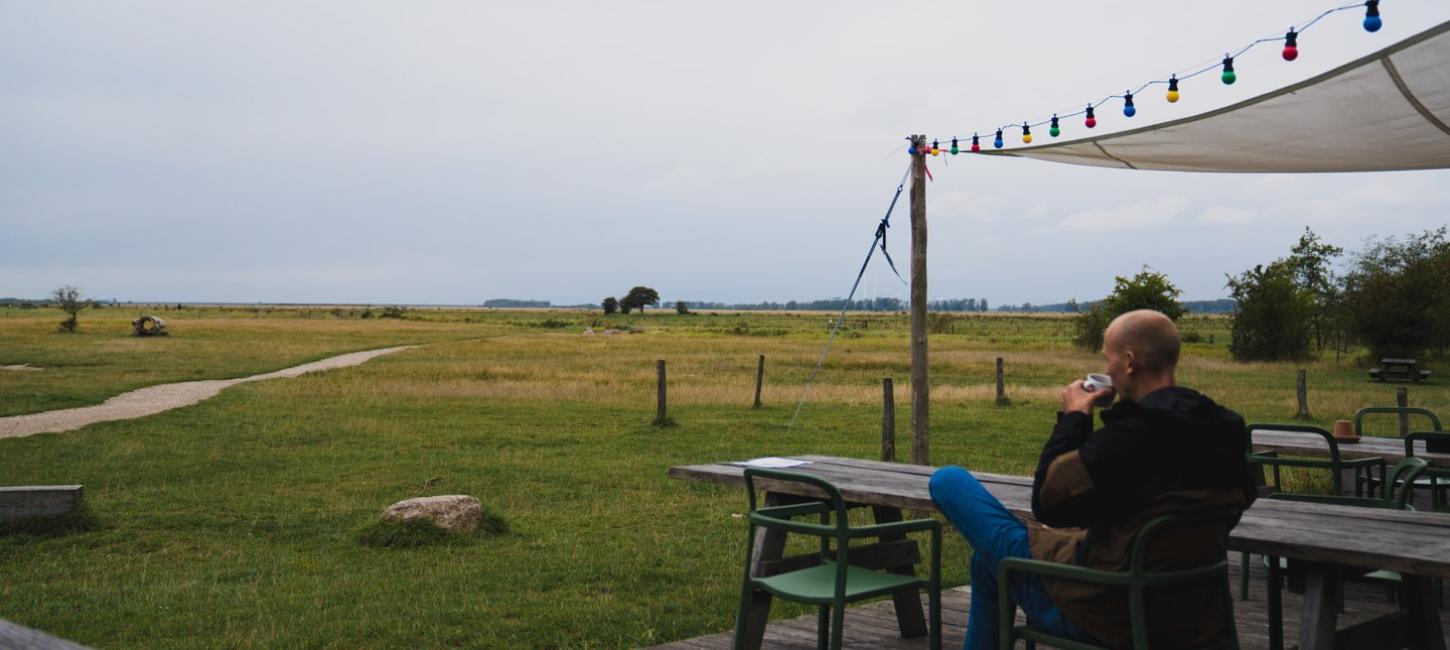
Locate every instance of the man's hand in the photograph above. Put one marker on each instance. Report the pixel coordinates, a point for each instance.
(1076, 398)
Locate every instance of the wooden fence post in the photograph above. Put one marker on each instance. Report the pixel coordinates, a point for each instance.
(759, 377)
(888, 421)
(1402, 399)
(1001, 387)
(1301, 390)
(661, 419)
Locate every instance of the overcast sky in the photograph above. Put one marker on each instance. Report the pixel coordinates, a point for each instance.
(451, 152)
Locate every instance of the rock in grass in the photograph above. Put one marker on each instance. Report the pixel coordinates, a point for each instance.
(455, 513)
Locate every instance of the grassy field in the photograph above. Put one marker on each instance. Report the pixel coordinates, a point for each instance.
(234, 522)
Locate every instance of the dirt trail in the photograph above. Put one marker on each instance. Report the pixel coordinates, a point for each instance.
(155, 399)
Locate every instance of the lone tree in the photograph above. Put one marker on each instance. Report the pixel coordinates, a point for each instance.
(1148, 289)
(610, 305)
(1397, 295)
(681, 308)
(68, 299)
(638, 297)
(1273, 314)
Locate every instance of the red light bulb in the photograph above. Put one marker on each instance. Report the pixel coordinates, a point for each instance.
(1291, 45)
(1091, 121)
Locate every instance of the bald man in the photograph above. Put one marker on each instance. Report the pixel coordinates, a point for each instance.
(1162, 449)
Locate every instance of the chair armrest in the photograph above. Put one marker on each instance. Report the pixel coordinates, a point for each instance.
(909, 526)
(795, 510)
(792, 526)
(1056, 570)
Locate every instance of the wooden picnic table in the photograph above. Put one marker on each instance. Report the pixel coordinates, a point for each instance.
(1327, 539)
(1295, 443)
(1399, 370)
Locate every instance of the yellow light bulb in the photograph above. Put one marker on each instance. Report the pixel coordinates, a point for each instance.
(1172, 96)
(1027, 138)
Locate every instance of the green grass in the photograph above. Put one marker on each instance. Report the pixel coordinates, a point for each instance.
(236, 522)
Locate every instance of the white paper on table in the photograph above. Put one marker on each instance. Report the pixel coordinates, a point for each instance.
(771, 462)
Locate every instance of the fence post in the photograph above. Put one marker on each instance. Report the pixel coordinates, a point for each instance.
(888, 421)
(759, 377)
(1301, 390)
(661, 419)
(1001, 387)
(1402, 399)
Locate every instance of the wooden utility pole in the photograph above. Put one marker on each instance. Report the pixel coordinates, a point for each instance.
(920, 391)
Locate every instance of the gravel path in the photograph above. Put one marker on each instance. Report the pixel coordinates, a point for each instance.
(155, 399)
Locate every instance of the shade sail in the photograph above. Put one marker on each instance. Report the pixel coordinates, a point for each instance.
(1386, 111)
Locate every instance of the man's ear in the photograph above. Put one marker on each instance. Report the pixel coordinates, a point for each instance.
(1130, 362)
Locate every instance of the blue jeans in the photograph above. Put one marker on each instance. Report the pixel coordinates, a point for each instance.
(994, 533)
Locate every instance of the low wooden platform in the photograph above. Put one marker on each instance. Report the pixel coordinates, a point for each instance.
(874, 625)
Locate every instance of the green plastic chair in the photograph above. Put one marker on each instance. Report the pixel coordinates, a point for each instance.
(1393, 410)
(1437, 479)
(831, 584)
(1136, 580)
(1394, 497)
(1334, 463)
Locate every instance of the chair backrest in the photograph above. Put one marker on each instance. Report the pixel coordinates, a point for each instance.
(1140, 578)
(1393, 410)
(1299, 428)
(838, 504)
(1403, 476)
(1435, 441)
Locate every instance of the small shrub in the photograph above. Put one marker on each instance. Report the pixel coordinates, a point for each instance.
(940, 323)
(1192, 337)
(393, 311)
(552, 324)
(367, 313)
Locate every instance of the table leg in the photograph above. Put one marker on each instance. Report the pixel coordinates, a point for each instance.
(1424, 618)
(907, 603)
(1276, 604)
(1321, 607)
(768, 545)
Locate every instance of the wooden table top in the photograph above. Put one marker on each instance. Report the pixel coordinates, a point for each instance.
(1311, 444)
(1410, 542)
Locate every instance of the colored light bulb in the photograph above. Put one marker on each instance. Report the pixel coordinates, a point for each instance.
(1026, 134)
(1128, 108)
(1291, 45)
(976, 146)
(998, 141)
(1053, 130)
(1372, 22)
(1091, 121)
(1172, 89)
(1228, 71)
(954, 147)
(935, 148)
(911, 151)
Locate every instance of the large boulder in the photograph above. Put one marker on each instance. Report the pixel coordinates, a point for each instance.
(458, 513)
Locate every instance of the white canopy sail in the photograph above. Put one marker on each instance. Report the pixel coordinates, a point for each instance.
(1387, 111)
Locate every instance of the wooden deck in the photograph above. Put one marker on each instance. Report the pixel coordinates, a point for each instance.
(874, 625)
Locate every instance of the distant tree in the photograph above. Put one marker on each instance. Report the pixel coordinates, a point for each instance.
(1148, 289)
(1397, 295)
(982, 304)
(1310, 260)
(1274, 318)
(681, 308)
(68, 299)
(610, 305)
(638, 297)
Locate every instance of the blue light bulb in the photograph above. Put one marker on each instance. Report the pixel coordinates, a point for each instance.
(1128, 108)
(998, 142)
(1372, 22)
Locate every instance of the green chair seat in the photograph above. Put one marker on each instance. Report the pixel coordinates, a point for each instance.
(817, 584)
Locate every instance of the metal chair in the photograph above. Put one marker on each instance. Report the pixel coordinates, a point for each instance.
(1136, 581)
(1437, 479)
(832, 581)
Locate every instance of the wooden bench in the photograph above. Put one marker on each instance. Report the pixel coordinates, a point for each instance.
(1326, 538)
(1398, 370)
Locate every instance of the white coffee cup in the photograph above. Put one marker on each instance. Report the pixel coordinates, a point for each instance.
(1095, 382)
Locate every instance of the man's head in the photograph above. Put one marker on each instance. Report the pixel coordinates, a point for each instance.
(1141, 349)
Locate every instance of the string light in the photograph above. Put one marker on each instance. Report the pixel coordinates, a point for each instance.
(1290, 52)
(911, 151)
(935, 148)
(954, 147)
(976, 146)
(1372, 22)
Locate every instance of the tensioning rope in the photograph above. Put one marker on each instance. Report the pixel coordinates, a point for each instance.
(841, 318)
